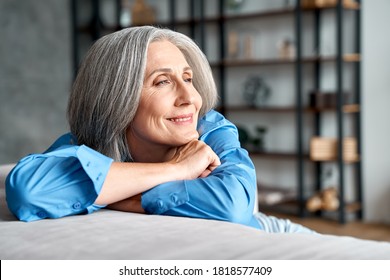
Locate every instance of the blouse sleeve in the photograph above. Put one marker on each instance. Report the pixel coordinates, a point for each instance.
(227, 194)
(61, 182)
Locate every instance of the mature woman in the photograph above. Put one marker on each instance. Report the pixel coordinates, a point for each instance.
(143, 138)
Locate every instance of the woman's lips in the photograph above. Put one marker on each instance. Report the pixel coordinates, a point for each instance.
(181, 119)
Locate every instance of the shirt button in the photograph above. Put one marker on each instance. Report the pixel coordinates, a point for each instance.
(41, 214)
(174, 198)
(160, 203)
(88, 163)
(77, 205)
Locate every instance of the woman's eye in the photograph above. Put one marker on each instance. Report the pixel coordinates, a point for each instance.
(162, 82)
(188, 80)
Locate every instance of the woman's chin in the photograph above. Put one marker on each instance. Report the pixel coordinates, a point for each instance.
(186, 139)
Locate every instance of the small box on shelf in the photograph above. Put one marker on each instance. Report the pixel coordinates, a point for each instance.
(310, 4)
(142, 13)
(327, 100)
(325, 149)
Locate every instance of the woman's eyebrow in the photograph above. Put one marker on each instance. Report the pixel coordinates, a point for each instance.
(167, 70)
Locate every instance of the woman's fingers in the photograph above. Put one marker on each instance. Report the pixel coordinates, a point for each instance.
(197, 158)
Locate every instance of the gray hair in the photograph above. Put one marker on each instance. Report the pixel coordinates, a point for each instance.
(107, 90)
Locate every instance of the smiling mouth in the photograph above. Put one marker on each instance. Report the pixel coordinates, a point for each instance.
(181, 119)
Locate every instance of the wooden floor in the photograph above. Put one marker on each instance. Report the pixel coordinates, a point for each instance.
(372, 231)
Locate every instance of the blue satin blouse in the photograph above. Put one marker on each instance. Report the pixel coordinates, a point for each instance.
(67, 178)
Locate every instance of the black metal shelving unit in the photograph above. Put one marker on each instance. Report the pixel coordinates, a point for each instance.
(340, 61)
(197, 23)
(340, 111)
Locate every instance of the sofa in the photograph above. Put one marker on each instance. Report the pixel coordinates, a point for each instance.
(115, 235)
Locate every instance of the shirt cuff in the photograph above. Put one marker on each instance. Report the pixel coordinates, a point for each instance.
(165, 197)
(95, 164)
(94, 207)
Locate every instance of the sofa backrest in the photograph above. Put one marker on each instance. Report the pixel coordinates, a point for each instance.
(4, 170)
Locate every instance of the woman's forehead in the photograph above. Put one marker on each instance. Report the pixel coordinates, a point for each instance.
(164, 55)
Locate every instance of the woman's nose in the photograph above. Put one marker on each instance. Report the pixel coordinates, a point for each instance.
(185, 94)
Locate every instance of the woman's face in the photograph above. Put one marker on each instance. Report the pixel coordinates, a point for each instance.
(168, 112)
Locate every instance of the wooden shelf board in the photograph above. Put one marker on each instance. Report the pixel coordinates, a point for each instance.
(350, 108)
(347, 5)
(231, 17)
(254, 15)
(276, 155)
(293, 204)
(346, 161)
(292, 155)
(265, 109)
(260, 14)
(255, 62)
(229, 62)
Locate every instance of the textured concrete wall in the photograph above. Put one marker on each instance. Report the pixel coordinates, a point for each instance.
(35, 74)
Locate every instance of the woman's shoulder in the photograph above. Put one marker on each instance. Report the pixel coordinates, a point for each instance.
(212, 116)
(67, 139)
(213, 120)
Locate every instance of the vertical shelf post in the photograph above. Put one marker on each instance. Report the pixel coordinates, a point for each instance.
(118, 10)
(96, 22)
(221, 68)
(339, 111)
(299, 109)
(317, 86)
(192, 8)
(172, 14)
(202, 27)
(358, 164)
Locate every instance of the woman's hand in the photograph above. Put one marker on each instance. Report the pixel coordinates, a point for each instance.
(195, 159)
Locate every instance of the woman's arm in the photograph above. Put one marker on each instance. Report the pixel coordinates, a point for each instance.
(71, 179)
(124, 180)
(64, 181)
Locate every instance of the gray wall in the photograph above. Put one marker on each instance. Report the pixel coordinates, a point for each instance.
(35, 75)
(376, 113)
